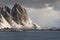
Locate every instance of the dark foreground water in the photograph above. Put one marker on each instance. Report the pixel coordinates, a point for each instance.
(30, 35)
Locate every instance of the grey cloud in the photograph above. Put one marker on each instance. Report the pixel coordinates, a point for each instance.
(32, 3)
(28, 3)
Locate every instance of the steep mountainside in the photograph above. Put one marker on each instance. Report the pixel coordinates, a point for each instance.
(16, 18)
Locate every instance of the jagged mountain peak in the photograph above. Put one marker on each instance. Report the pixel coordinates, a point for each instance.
(16, 17)
(19, 13)
(18, 6)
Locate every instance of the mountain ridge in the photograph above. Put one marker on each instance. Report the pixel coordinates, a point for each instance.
(16, 18)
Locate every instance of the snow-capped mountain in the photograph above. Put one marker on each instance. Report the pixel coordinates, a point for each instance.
(16, 17)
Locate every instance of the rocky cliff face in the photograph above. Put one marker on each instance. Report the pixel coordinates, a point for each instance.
(15, 18)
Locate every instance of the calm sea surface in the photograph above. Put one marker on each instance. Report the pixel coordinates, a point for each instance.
(30, 35)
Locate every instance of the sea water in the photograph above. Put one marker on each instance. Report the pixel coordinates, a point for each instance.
(30, 35)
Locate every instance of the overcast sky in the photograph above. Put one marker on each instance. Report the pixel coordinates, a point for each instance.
(45, 13)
